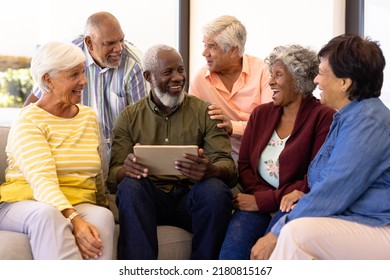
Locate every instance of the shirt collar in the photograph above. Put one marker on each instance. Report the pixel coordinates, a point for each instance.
(155, 108)
(245, 67)
(349, 108)
(89, 60)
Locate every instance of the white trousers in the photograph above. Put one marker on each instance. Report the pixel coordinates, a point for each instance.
(50, 234)
(331, 239)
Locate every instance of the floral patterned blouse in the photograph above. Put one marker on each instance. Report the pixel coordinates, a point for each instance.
(269, 160)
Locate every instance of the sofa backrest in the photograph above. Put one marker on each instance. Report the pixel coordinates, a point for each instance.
(4, 130)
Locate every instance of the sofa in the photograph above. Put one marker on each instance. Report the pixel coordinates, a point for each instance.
(174, 242)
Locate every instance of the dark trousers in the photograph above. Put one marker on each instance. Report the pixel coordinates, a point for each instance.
(244, 230)
(205, 210)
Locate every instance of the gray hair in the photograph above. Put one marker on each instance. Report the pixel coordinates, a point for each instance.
(52, 58)
(301, 62)
(228, 32)
(150, 60)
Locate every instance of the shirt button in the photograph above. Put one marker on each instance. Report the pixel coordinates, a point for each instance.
(166, 140)
(166, 118)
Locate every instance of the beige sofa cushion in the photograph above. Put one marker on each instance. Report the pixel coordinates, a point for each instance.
(173, 243)
(14, 246)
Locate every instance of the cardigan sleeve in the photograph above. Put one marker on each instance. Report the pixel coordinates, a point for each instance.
(28, 144)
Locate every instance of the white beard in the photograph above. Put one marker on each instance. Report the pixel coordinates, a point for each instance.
(168, 100)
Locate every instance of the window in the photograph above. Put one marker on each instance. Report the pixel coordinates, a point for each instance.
(376, 21)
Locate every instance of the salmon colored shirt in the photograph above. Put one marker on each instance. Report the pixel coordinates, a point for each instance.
(250, 90)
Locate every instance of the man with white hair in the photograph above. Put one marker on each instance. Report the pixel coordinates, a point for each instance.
(199, 199)
(233, 81)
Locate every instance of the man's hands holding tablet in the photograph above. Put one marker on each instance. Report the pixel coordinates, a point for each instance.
(186, 160)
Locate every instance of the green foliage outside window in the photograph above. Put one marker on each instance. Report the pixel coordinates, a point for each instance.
(15, 86)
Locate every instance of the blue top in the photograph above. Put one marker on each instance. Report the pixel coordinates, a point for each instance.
(350, 176)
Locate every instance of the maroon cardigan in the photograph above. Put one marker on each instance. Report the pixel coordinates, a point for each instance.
(309, 133)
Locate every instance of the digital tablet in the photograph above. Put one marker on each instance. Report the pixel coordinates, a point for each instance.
(160, 159)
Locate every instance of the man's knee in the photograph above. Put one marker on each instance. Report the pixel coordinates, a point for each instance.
(213, 192)
(212, 187)
(130, 188)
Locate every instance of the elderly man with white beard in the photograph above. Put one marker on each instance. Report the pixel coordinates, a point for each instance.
(199, 199)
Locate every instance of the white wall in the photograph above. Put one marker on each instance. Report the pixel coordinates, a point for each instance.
(270, 23)
(376, 26)
(26, 23)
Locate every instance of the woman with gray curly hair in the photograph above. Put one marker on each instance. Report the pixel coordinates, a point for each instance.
(277, 147)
